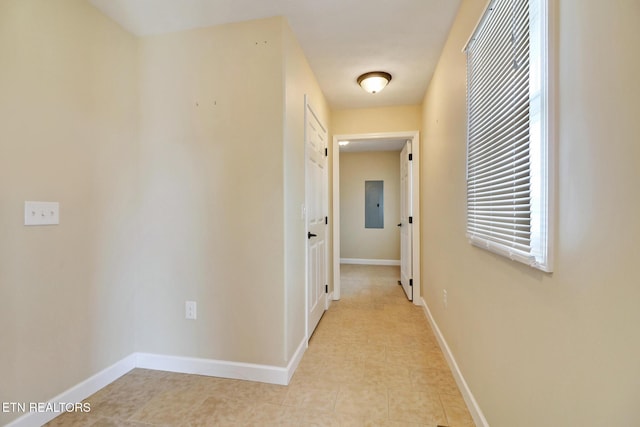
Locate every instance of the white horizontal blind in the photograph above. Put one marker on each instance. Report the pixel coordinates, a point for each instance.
(498, 152)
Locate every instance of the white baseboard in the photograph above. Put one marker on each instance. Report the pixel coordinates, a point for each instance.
(472, 404)
(295, 360)
(78, 392)
(213, 368)
(369, 261)
(222, 368)
(185, 365)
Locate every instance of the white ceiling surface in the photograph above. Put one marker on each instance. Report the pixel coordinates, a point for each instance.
(341, 38)
(374, 144)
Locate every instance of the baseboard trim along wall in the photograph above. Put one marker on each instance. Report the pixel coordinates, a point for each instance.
(184, 365)
(369, 261)
(295, 360)
(226, 369)
(222, 368)
(472, 404)
(77, 393)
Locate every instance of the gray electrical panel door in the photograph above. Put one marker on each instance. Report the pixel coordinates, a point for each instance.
(373, 204)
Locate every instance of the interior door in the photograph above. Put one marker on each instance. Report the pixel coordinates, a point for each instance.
(317, 210)
(406, 223)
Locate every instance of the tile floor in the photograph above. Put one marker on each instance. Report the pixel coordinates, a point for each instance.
(372, 361)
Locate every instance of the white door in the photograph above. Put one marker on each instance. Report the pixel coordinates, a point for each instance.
(317, 210)
(406, 223)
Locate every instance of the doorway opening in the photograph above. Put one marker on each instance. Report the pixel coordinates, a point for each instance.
(381, 142)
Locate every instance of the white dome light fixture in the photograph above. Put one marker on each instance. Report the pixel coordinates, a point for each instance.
(374, 81)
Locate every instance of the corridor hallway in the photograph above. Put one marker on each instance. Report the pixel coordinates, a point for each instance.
(372, 361)
(377, 351)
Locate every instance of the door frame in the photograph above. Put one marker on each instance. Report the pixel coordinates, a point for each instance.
(414, 136)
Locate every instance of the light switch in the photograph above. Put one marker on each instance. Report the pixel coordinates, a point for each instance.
(41, 213)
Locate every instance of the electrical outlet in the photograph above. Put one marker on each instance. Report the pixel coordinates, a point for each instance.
(444, 298)
(190, 310)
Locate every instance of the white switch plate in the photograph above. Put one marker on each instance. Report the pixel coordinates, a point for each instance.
(41, 213)
(190, 310)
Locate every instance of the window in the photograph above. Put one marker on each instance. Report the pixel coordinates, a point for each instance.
(508, 132)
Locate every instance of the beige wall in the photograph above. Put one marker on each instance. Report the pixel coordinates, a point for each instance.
(299, 81)
(68, 132)
(374, 120)
(539, 348)
(178, 162)
(356, 241)
(222, 185)
(211, 171)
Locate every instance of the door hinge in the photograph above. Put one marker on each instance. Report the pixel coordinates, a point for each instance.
(410, 156)
(326, 289)
(411, 282)
(410, 220)
(326, 220)
(326, 152)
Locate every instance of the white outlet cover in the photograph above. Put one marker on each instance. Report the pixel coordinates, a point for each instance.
(190, 310)
(41, 213)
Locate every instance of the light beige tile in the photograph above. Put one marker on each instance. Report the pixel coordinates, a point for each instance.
(373, 361)
(415, 358)
(315, 377)
(266, 414)
(330, 419)
(390, 423)
(271, 393)
(246, 391)
(114, 422)
(436, 360)
(217, 411)
(169, 407)
(312, 397)
(349, 372)
(384, 374)
(362, 400)
(456, 411)
(366, 352)
(410, 405)
(436, 380)
(120, 403)
(73, 419)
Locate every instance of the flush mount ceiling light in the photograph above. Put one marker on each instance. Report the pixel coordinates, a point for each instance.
(374, 81)
(343, 143)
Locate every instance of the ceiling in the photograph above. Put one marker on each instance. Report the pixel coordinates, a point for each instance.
(341, 38)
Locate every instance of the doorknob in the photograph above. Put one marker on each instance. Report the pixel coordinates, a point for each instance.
(400, 225)
(310, 235)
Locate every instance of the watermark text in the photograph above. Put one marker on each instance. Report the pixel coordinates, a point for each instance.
(23, 407)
